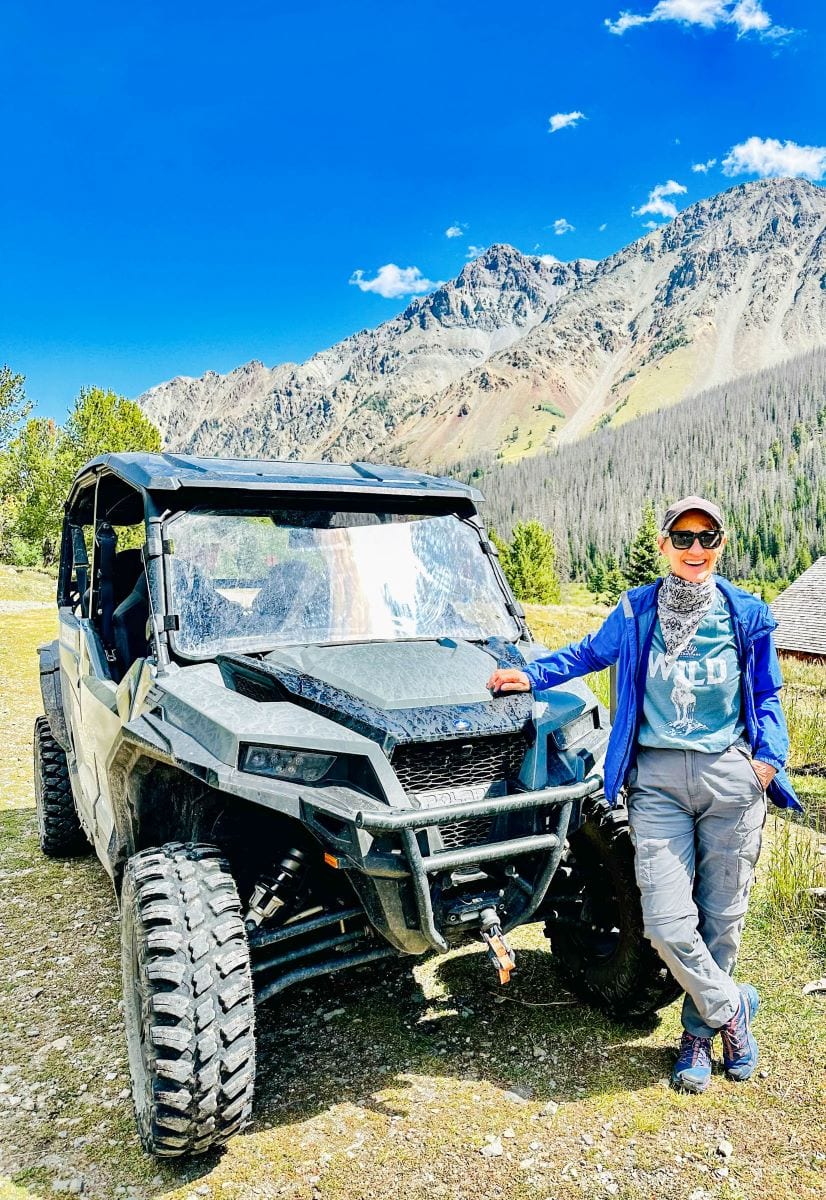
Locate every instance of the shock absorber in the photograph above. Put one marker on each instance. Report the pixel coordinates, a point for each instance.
(271, 892)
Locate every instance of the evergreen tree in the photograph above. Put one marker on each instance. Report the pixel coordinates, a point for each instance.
(802, 561)
(597, 579)
(615, 581)
(503, 550)
(644, 560)
(530, 564)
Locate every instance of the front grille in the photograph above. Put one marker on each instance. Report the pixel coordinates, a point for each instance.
(428, 766)
(473, 832)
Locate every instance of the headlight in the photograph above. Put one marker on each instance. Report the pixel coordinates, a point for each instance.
(300, 766)
(579, 728)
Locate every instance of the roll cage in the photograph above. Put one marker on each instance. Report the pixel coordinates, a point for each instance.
(99, 577)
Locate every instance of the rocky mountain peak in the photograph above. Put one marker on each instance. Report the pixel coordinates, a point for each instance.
(521, 351)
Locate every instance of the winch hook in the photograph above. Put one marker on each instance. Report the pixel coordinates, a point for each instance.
(499, 952)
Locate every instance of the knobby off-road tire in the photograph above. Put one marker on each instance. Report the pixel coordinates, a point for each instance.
(188, 999)
(60, 831)
(598, 938)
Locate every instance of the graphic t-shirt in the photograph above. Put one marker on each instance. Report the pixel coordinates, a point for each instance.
(694, 703)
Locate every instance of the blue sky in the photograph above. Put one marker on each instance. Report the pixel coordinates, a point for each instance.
(190, 186)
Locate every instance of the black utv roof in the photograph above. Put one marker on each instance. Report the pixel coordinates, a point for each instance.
(180, 480)
(168, 472)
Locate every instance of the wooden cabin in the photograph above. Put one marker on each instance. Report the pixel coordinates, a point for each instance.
(800, 613)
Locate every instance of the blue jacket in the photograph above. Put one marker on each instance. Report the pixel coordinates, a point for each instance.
(625, 639)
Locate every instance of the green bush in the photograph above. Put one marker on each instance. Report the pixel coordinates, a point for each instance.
(22, 553)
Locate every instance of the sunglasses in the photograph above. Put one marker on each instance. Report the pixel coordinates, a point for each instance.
(683, 539)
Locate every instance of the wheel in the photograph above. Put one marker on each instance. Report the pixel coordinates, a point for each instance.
(187, 998)
(595, 925)
(61, 834)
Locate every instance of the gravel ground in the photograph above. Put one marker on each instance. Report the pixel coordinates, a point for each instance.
(433, 1084)
(393, 1083)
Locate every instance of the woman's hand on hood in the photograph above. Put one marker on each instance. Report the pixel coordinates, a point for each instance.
(508, 680)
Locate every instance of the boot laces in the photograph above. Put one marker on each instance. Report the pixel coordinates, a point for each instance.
(735, 1034)
(699, 1047)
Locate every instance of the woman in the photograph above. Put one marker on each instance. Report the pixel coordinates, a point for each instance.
(699, 739)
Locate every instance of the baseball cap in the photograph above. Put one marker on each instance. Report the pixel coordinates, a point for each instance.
(692, 504)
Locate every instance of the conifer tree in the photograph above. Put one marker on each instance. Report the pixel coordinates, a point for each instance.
(644, 560)
(802, 561)
(101, 422)
(597, 579)
(615, 581)
(503, 550)
(530, 564)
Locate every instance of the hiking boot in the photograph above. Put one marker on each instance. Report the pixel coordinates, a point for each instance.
(740, 1051)
(692, 1070)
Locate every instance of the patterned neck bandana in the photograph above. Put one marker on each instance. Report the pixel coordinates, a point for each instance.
(681, 606)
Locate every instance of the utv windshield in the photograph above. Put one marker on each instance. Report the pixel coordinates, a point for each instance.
(250, 582)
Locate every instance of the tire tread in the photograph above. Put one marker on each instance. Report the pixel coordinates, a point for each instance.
(61, 834)
(199, 1052)
(636, 982)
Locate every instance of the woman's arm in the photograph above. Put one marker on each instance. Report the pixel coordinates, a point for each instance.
(772, 735)
(596, 651)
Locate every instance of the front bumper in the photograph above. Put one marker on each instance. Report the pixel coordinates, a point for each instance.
(381, 850)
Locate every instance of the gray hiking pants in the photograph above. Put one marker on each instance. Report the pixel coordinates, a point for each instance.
(697, 823)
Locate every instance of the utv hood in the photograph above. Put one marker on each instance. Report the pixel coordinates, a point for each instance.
(392, 692)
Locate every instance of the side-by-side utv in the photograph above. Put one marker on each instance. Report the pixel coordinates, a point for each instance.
(267, 712)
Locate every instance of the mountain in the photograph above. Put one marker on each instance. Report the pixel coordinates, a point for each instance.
(520, 353)
(757, 445)
(349, 400)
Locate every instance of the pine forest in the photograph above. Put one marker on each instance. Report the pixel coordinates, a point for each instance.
(757, 446)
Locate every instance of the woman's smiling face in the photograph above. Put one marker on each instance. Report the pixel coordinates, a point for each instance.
(694, 564)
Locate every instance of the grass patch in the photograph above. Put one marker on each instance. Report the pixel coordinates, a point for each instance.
(555, 625)
(396, 1095)
(804, 703)
(658, 384)
(796, 865)
(20, 700)
(23, 583)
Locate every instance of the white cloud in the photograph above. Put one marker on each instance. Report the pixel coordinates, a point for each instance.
(562, 226)
(769, 157)
(454, 231)
(749, 15)
(563, 120)
(705, 167)
(603, 227)
(656, 204)
(746, 16)
(652, 225)
(549, 260)
(392, 281)
(475, 251)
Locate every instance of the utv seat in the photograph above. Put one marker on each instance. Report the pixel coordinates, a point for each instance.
(129, 624)
(128, 568)
(124, 570)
